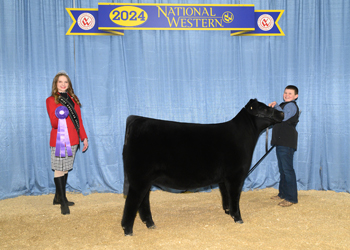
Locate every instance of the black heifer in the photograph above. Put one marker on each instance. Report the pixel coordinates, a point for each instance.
(187, 156)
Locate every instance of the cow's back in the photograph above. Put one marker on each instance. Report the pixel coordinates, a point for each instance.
(190, 154)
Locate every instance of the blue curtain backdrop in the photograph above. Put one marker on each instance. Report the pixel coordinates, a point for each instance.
(187, 76)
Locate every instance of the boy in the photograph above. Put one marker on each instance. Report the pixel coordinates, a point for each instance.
(285, 138)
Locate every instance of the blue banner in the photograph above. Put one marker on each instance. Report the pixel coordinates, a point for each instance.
(266, 24)
(85, 23)
(114, 18)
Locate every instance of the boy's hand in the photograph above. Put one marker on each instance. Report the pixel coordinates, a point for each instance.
(272, 104)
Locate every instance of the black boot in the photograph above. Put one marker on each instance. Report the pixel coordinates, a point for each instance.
(60, 189)
(57, 198)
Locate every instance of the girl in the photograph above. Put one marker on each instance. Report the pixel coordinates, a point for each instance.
(63, 95)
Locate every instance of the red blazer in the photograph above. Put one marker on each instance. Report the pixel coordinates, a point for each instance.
(73, 134)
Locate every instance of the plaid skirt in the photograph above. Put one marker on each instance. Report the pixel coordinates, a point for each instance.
(62, 163)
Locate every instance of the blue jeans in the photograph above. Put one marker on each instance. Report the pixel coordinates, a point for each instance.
(288, 184)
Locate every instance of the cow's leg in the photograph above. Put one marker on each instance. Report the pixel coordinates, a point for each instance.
(145, 212)
(132, 204)
(224, 197)
(126, 185)
(234, 188)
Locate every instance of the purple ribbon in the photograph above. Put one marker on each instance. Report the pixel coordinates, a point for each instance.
(62, 140)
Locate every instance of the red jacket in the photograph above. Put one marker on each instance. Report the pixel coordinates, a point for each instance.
(73, 134)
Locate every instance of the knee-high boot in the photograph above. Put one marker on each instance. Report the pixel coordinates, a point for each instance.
(60, 189)
(57, 198)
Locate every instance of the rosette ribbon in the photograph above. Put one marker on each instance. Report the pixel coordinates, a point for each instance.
(62, 140)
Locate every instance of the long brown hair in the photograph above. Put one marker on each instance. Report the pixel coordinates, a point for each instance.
(70, 90)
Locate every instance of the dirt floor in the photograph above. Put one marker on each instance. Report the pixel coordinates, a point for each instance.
(321, 220)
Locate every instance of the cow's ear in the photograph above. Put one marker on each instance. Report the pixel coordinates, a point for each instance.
(251, 104)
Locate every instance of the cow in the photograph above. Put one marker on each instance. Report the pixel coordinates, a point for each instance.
(186, 156)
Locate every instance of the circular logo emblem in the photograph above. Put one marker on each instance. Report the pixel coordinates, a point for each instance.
(86, 21)
(265, 22)
(227, 17)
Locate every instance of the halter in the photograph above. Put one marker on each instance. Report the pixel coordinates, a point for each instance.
(249, 108)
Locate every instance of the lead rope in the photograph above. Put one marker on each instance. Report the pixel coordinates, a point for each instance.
(267, 152)
(267, 138)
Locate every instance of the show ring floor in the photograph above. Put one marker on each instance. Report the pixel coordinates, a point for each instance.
(321, 220)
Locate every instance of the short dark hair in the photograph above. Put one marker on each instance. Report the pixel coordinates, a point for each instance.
(296, 91)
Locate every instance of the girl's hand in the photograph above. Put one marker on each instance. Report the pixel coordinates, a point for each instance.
(86, 144)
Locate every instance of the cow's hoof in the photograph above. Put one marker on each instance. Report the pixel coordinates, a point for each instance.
(149, 224)
(239, 221)
(128, 232)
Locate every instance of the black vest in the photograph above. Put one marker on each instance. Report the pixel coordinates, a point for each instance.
(284, 133)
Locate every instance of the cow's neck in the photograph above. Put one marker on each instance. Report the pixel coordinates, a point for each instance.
(245, 121)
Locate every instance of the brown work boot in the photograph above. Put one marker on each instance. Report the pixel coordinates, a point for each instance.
(276, 197)
(285, 203)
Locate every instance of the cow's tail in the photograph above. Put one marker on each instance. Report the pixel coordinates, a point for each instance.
(127, 130)
(129, 121)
